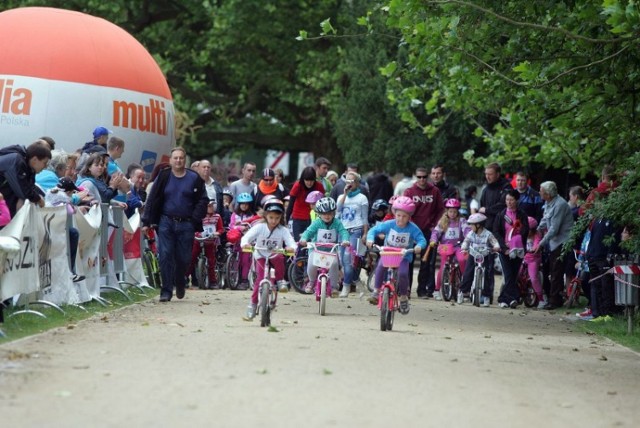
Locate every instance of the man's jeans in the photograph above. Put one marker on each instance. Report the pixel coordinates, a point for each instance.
(175, 252)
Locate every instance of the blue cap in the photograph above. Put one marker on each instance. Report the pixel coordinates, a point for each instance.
(100, 131)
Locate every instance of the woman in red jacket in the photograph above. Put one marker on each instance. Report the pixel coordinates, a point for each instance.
(298, 210)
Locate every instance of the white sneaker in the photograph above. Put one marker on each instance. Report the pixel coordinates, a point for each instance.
(503, 305)
(460, 297)
(485, 302)
(542, 303)
(345, 290)
(283, 287)
(436, 295)
(251, 313)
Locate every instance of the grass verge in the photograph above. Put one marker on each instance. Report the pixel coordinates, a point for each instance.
(28, 324)
(616, 330)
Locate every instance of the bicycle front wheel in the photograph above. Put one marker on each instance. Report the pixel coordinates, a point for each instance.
(477, 288)
(232, 270)
(573, 292)
(265, 307)
(202, 275)
(323, 294)
(446, 288)
(384, 309)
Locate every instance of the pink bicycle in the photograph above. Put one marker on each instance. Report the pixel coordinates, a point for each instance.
(324, 256)
(388, 303)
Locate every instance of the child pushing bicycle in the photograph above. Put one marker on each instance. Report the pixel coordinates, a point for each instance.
(271, 234)
(478, 239)
(326, 229)
(399, 233)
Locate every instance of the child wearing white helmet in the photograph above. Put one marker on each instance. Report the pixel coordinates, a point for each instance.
(326, 229)
(270, 234)
(400, 233)
(478, 238)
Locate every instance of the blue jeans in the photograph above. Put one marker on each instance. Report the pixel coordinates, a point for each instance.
(175, 252)
(350, 274)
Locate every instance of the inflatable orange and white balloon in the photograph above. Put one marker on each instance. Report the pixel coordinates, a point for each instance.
(63, 73)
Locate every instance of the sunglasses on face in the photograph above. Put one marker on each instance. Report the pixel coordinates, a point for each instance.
(421, 177)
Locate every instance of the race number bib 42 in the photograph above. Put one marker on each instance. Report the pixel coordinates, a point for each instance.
(396, 239)
(327, 236)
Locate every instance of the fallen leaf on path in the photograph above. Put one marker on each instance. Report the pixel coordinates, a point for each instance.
(71, 326)
(326, 372)
(447, 337)
(455, 360)
(603, 358)
(80, 367)
(272, 329)
(204, 302)
(546, 348)
(612, 392)
(263, 371)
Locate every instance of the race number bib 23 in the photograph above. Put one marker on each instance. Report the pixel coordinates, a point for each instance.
(396, 239)
(327, 236)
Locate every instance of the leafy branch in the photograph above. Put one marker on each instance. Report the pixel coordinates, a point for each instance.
(536, 26)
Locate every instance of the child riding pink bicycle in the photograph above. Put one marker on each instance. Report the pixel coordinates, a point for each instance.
(399, 233)
(449, 233)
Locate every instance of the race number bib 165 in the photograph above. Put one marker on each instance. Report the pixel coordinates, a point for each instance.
(268, 243)
(396, 239)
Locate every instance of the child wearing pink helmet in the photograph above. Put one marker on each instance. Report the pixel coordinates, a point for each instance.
(450, 231)
(532, 260)
(400, 233)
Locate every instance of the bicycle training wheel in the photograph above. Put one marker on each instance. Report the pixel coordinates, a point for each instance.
(446, 289)
(202, 274)
(265, 307)
(384, 310)
(232, 271)
(323, 294)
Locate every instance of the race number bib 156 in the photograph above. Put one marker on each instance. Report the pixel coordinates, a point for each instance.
(327, 236)
(396, 239)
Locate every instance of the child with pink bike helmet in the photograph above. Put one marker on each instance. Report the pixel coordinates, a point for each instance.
(399, 233)
(449, 232)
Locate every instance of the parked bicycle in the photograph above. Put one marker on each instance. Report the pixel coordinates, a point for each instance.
(297, 271)
(150, 264)
(388, 302)
(325, 255)
(574, 287)
(267, 287)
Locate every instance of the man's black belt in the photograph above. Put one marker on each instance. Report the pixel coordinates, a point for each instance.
(178, 219)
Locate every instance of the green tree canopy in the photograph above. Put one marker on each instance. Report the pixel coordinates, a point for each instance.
(553, 82)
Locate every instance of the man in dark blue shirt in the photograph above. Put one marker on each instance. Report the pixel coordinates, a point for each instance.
(176, 205)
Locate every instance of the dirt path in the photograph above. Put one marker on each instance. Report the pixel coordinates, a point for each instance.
(196, 363)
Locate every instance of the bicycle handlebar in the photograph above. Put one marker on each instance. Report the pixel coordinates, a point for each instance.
(324, 246)
(253, 249)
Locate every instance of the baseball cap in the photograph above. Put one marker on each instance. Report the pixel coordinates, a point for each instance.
(97, 149)
(100, 131)
(67, 184)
